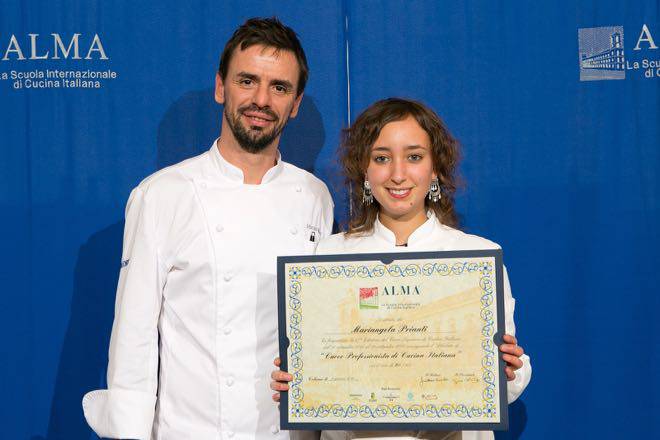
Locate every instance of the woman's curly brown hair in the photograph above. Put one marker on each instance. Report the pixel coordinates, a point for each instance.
(355, 151)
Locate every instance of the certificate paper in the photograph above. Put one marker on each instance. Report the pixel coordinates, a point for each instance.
(393, 341)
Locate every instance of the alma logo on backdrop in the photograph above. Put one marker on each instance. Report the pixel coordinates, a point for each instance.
(602, 53)
(25, 54)
(54, 47)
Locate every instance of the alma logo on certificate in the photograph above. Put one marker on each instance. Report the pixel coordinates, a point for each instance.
(368, 297)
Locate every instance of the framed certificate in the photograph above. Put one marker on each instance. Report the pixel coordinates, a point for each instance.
(401, 341)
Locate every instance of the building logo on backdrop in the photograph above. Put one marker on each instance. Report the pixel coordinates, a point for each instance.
(602, 54)
(23, 56)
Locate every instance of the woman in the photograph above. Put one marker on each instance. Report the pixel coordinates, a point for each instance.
(401, 161)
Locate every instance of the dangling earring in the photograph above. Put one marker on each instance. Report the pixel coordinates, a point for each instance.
(434, 191)
(367, 195)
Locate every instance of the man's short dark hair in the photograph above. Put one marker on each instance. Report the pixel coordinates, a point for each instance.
(268, 32)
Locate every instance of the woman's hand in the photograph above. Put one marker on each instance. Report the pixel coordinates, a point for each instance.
(512, 352)
(280, 380)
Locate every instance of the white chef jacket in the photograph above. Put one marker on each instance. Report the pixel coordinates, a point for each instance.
(430, 236)
(196, 310)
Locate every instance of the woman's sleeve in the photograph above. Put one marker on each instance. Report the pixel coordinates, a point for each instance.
(516, 386)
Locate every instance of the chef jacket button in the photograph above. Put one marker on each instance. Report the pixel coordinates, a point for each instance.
(227, 277)
(274, 429)
(203, 185)
(230, 434)
(226, 330)
(298, 188)
(229, 381)
(293, 230)
(219, 228)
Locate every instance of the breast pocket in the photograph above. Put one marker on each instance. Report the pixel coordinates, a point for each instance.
(311, 236)
(298, 240)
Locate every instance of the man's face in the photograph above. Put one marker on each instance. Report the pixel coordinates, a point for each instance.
(259, 95)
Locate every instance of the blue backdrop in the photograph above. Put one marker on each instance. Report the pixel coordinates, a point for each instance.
(559, 121)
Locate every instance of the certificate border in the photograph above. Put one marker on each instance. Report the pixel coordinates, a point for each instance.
(388, 258)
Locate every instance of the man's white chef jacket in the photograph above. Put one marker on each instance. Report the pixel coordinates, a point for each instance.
(431, 236)
(196, 310)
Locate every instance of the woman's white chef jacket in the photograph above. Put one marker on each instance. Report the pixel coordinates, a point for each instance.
(431, 236)
(196, 309)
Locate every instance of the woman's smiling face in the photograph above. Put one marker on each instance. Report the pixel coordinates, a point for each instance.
(400, 169)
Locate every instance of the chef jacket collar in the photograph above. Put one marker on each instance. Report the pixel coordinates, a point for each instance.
(235, 174)
(418, 235)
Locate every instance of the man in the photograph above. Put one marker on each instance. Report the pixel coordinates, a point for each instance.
(195, 328)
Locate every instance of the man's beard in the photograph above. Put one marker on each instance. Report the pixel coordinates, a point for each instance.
(256, 139)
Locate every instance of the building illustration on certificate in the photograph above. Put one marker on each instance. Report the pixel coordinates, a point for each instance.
(369, 297)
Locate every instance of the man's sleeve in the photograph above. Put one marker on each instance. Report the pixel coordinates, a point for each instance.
(327, 212)
(516, 386)
(126, 408)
